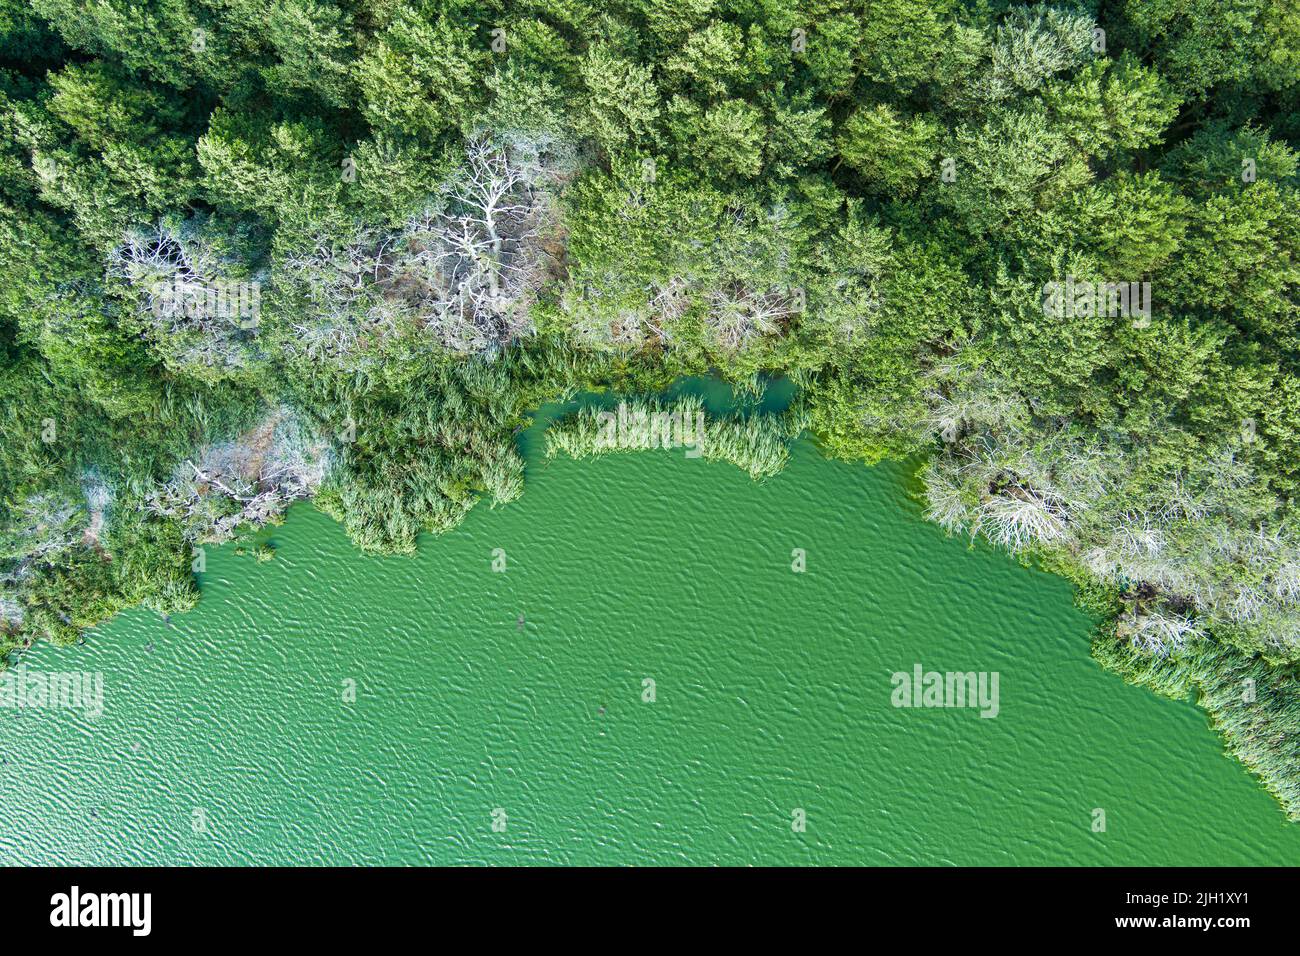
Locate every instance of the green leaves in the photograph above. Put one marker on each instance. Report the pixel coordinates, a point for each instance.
(180, 44)
(1031, 46)
(421, 77)
(831, 53)
(907, 44)
(103, 105)
(622, 101)
(711, 63)
(727, 137)
(1013, 165)
(892, 154)
(1241, 257)
(1221, 159)
(108, 148)
(1195, 44)
(1112, 105)
(314, 48)
(1135, 222)
(288, 172)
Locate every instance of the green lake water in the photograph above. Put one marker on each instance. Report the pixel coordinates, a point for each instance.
(226, 737)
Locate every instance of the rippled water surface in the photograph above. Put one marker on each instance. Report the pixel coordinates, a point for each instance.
(226, 737)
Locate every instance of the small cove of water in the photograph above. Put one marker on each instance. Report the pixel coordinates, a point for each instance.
(232, 737)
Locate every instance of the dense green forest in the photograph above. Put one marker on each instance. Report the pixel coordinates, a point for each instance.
(256, 251)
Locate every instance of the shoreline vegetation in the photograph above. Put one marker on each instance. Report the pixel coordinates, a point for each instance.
(758, 444)
(260, 252)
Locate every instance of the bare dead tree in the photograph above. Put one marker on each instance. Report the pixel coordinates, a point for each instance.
(339, 283)
(463, 271)
(737, 315)
(248, 481)
(476, 263)
(187, 302)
